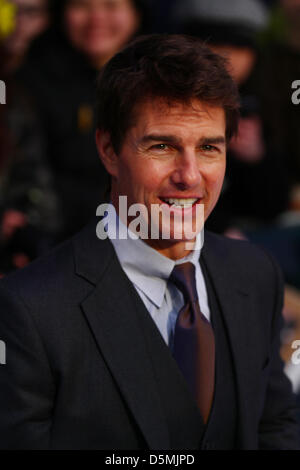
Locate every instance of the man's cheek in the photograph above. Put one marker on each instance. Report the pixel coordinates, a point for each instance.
(214, 183)
(218, 180)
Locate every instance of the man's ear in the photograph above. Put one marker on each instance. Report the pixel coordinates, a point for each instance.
(106, 152)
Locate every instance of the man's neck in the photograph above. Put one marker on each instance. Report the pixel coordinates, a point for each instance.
(173, 250)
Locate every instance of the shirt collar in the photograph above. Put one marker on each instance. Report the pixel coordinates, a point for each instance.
(145, 267)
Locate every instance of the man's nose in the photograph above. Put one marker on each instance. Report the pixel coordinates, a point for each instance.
(187, 173)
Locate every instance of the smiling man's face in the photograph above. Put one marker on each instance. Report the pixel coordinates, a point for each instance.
(173, 155)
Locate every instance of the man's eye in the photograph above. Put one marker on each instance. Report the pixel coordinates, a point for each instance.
(159, 147)
(208, 148)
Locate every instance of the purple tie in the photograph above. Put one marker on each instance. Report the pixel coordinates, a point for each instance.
(194, 342)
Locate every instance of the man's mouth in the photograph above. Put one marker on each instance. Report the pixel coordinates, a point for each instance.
(182, 203)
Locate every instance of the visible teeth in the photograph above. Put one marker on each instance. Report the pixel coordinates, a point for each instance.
(181, 202)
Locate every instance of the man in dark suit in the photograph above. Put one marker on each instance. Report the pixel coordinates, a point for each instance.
(146, 342)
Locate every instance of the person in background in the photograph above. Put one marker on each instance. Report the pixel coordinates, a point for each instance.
(278, 68)
(99, 28)
(29, 210)
(60, 74)
(31, 19)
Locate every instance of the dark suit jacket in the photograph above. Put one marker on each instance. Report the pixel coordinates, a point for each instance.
(79, 371)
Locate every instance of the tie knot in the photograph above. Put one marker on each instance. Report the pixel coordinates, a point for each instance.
(183, 276)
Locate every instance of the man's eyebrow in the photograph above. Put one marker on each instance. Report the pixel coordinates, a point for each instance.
(160, 138)
(212, 140)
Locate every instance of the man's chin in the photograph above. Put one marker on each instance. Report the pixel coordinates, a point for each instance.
(173, 236)
(182, 232)
(175, 245)
(178, 237)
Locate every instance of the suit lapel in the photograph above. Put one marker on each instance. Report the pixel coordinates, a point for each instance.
(237, 305)
(112, 316)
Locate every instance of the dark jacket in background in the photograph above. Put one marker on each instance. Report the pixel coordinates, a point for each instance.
(254, 193)
(278, 68)
(26, 181)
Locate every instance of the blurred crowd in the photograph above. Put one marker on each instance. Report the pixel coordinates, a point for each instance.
(51, 179)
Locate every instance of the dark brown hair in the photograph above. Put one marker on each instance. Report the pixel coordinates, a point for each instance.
(175, 68)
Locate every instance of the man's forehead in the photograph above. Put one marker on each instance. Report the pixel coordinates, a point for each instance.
(158, 112)
(168, 106)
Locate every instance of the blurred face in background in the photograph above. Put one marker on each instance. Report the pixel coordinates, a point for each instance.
(31, 20)
(291, 6)
(100, 28)
(241, 60)
(291, 10)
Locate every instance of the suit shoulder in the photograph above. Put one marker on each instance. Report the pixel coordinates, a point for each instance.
(62, 277)
(45, 273)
